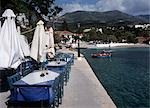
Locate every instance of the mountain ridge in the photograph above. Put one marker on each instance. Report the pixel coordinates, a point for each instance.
(108, 17)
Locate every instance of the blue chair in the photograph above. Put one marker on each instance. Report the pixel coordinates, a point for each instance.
(27, 68)
(61, 82)
(72, 58)
(61, 78)
(12, 79)
(54, 94)
(61, 86)
(30, 61)
(26, 72)
(68, 59)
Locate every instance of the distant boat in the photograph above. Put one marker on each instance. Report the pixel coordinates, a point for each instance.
(102, 54)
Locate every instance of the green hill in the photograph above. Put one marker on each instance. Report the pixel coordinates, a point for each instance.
(92, 18)
(144, 17)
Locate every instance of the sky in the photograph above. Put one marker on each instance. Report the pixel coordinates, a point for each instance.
(133, 7)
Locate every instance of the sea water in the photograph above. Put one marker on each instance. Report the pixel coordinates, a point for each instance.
(125, 76)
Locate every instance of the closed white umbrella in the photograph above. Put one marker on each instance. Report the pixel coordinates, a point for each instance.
(0, 26)
(51, 43)
(47, 38)
(38, 43)
(18, 30)
(11, 53)
(24, 45)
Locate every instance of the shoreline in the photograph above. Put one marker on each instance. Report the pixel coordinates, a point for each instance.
(112, 45)
(122, 45)
(135, 45)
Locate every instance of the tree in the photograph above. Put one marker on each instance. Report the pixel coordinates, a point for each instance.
(65, 25)
(112, 38)
(75, 38)
(130, 37)
(86, 38)
(108, 31)
(16, 5)
(57, 38)
(43, 9)
(93, 35)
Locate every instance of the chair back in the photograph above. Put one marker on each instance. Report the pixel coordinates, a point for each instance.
(12, 79)
(26, 72)
(56, 84)
(72, 58)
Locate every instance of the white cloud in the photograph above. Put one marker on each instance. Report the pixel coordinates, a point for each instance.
(128, 6)
(76, 6)
(107, 5)
(137, 6)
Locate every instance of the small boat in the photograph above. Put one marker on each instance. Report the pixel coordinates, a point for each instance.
(108, 51)
(101, 54)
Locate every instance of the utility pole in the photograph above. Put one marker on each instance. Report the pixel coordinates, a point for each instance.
(78, 41)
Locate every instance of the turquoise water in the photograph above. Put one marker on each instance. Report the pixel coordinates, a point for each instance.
(125, 76)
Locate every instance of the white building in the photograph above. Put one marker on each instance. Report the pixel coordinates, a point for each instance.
(100, 30)
(86, 30)
(142, 26)
(89, 29)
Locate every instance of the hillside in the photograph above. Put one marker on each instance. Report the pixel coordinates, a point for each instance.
(144, 17)
(90, 18)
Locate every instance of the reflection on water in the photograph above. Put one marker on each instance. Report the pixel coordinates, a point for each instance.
(125, 75)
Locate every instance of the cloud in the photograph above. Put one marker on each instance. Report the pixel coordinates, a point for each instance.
(108, 5)
(137, 6)
(76, 6)
(129, 6)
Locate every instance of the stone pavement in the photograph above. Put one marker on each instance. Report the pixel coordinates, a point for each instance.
(84, 90)
(3, 98)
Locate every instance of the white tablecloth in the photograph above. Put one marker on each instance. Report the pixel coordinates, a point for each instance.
(56, 63)
(35, 78)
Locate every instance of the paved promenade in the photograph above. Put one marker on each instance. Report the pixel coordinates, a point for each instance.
(3, 99)
(84, 89)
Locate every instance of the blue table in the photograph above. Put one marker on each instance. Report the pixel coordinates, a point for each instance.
(32, 91)
(58, 66)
